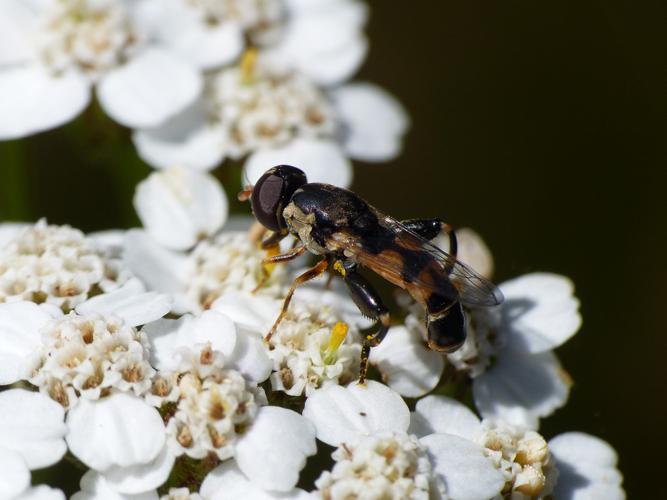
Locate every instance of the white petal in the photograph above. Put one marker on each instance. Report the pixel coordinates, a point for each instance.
(254, 313)
(160, 269)
(521, 388)
(274, 450)
(227, 482)
(443, 415)
(324, 40)
(335, 295)
(39, 101)
(322, 161)
(472, 250)
(186, 140)
(140, 478)
(19, 338)
(42, 492)
(130, 302)
(406, 364)
(15, 476)
(117, 430)
(32, 425)
(374, 121)
(250, 357)
(179, 206)
(110, 240)
(18, 21)
(587, 468)
(540, 312)
(168, 336)
(10, 230)
(150, 88)
(95, 487)
(467, 473)
(343, 414)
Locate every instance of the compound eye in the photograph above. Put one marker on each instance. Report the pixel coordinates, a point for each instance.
(267, 200)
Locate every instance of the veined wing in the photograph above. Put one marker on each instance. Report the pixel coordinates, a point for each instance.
(473, 289)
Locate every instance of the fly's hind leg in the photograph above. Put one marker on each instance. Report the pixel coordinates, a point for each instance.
(311, 273)
(370, 304)
(429, 229)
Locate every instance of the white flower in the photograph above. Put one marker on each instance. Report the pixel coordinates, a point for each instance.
(229, 261)
(178, 207)
(95, 487)
(507, 352)
(276, 116)
(317, 343)
(227, 482)
(321, 39)
(55, 264)
(587, 467)
(88, 353)
(181, 494)
(579, 465)
(377, 457)
(31, 437)
(520, 455)
(57, 50)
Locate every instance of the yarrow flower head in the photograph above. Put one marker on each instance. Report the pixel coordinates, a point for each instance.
(56, 265)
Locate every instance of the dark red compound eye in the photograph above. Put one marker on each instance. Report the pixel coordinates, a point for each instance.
(272, 193)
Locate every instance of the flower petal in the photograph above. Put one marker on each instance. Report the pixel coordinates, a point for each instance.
(42, 492)
(39, 101)
(321, 160)
(119, 430)
(521, 388)
(227, 482)
(32, 425)
(15, 475)
(587, 467)
(540, 312)
(18, 21)
(443, 415)
(291, 438)
(186, 140)
(374, 121)
(143, 477)
(250, 357)
(19, 338)
(254, 313)
(150, 88)
(179, 206)
(130, 302)
(467, 473)
(406, 364)
(160, 269)
(168, 336)
(343, 414)
(94, 486)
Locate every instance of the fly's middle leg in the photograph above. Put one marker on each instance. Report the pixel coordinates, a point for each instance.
(370, 304)
(315, 271)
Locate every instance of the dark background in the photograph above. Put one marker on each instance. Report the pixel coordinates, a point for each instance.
(540, 124)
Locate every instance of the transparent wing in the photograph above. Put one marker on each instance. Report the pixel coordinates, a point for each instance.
(474, 289)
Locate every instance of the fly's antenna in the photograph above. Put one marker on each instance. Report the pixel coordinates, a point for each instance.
(244, 195)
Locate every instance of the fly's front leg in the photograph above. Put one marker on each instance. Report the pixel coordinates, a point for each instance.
(429, 229)
(311, 273)
(272, 246)
(370, 304)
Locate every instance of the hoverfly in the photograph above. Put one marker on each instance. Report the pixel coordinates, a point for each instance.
(349, 233)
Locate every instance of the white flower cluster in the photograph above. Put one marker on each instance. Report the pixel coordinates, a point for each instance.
(85, 36)
(384, 465)
(214, 405)
(312, 349)
(260, 106)
(230, 261)
(55, 265)
(522, 457)
(92, 356)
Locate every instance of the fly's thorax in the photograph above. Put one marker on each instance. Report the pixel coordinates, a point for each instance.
(301, 225)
